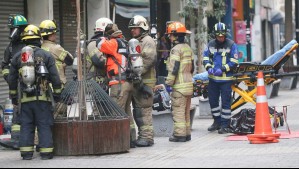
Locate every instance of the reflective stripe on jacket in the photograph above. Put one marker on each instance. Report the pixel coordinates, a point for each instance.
(149, 57)
(59, 54)
(180, 67)
(219, 56)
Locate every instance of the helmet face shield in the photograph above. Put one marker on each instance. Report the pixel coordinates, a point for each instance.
(220, 33)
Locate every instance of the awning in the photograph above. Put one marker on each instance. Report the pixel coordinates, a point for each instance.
(143, 3)
(130, 12)
(277, 17)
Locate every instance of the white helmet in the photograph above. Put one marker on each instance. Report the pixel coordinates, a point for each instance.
(101, 24)
(139, 21)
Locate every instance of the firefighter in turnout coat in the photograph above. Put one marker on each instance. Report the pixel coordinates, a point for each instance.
(143, 95)
(31, 71)
(180, 67)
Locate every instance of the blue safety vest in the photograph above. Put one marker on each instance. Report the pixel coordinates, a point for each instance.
(219, 56)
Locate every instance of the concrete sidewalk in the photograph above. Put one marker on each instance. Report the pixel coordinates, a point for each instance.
(204, 150)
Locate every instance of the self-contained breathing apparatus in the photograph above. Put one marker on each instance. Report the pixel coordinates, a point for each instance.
(135, 67)
(135, 62)
(34, 74)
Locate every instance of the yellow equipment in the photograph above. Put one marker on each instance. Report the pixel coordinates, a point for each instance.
(246, 73)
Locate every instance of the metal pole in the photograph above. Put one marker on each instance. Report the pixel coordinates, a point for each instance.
(297, 24)
(248, 31)
(153, 18)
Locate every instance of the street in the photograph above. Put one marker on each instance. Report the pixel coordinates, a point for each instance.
(204, 150)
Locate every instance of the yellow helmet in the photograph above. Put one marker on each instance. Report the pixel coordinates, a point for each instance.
(31, 32)
(47, 27)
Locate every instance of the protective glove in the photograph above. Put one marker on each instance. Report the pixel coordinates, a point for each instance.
(211, 71)
(218, 72)
(147, 91)
(56, 97)
(5, 77)
(14, 99)
(168, 89)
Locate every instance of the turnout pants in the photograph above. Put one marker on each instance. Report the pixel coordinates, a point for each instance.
(181, 114)
(36, 114)
(142, 105)
(124, 101)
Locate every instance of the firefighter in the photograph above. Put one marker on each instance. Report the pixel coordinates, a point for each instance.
(143, 96)
(95, 57)
(31, 71)
(219, 58)
(62, 57)
(115, 47)
(17, 24)
(180, 67)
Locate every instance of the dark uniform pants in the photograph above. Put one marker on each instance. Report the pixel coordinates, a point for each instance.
(221, 114)
(36, 114)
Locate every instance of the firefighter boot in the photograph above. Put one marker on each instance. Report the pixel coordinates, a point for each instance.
(144, 143)
(177, 139)
(225, 127)
(132, 138)
(13, 143)
(46, 156)
(214, 126)
(27, 155)
(188, 137)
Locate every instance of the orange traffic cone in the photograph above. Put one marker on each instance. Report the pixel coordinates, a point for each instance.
(263, 130)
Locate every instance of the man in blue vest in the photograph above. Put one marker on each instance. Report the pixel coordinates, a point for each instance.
(220, 57)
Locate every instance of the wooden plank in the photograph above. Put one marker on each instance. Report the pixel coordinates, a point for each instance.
(80, 137)
(126, 134)
(60, 138)
(56, 138)
(75, 149)
(64, 139)
(101, 137)
(90, 137)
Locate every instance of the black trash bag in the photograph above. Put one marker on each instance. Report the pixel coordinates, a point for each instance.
(243, 122)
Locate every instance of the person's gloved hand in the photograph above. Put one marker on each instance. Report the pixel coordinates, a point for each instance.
(5, 77)
(211, 71)
(168, 89)
(56, 97)
(14, 99)
(218, 72)
(158, 87)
